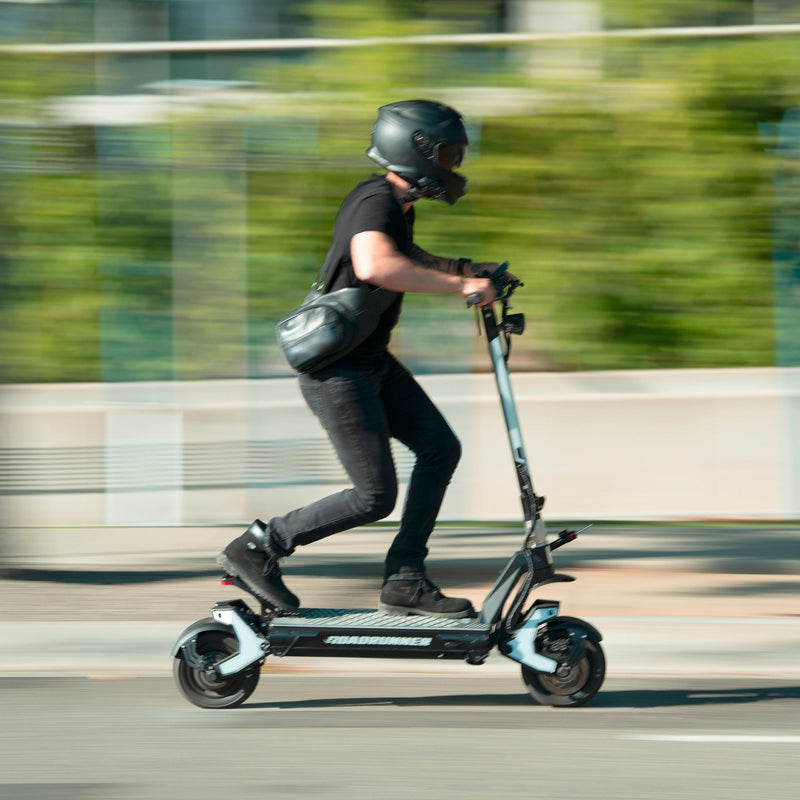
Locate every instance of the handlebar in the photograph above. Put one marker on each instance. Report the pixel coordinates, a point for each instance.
(504, 286)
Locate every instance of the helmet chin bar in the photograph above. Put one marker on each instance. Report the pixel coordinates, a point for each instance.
(448, 190)
(449, 187)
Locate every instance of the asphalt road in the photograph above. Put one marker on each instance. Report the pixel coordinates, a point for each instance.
(403, 736)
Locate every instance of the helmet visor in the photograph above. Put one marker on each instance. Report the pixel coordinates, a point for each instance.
(450, 156)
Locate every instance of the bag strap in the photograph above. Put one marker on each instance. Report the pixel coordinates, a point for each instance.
(322, 283)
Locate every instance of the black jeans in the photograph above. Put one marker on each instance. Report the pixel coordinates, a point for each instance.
(361, 410)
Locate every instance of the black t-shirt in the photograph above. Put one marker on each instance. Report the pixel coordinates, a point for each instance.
(371, 206)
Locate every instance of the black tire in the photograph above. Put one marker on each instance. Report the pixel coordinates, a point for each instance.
(573, 688)
(206, 690)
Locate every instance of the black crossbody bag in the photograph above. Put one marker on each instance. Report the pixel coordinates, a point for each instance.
(328, 325)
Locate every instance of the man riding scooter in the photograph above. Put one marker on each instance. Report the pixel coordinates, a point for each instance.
(368, 397)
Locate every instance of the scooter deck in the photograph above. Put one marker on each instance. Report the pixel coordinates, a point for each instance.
(369, 618)
(371, 633)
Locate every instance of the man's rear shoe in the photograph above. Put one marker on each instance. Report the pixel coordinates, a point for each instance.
(410, 592)
(247, 558)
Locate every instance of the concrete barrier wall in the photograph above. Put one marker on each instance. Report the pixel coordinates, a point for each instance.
(605, 445)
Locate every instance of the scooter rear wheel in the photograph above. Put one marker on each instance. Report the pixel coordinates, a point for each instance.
(206, 689)
(571, 686)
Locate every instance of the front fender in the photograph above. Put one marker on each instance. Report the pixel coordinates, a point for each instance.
(201, 626)
(573, 629)
(569, 622)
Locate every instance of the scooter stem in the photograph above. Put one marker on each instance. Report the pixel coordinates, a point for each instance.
(530, 502)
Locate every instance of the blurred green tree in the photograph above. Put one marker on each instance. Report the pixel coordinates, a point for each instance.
(636, 203)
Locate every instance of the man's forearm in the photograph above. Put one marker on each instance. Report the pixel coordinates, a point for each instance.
(454, 266)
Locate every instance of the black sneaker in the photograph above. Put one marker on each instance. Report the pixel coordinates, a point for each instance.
(410, 592)
(246, 558)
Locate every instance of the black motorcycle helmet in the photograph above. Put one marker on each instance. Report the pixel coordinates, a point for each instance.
(422, 142)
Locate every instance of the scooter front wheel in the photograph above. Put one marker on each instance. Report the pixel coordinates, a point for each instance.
(570, 685)
(204, 687)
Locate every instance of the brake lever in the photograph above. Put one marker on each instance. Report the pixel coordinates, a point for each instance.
(502, 286)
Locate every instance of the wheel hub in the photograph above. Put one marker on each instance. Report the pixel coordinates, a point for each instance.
(567, 678)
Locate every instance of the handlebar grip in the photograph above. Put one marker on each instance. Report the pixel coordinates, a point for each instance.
(473, 299)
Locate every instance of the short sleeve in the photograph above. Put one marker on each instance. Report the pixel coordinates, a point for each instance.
(376, 212)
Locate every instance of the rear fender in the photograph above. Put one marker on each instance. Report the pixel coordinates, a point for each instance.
(189, 636)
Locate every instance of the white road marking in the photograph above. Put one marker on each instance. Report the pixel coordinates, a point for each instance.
(719, 738)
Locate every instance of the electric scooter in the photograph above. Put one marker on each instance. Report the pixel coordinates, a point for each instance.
(217, 660)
